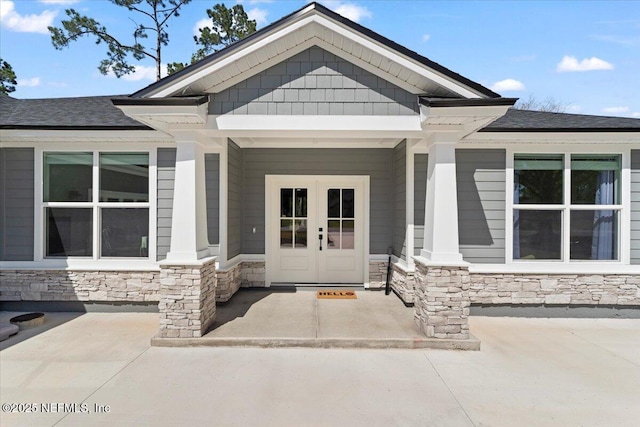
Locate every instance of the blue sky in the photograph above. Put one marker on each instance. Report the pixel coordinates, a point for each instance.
(585, 54)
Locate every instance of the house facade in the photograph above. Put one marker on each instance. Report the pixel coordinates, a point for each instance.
(312, 152)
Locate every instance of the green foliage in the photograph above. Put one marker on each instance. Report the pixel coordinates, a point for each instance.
(155, 12)
(228, 25)
(7, 78)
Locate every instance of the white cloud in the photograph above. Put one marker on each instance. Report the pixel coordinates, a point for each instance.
(636, 115)
(348, 10)
(255, 1)
(615, 110)
(32, 82)
(259, 15)
(142, 72)
(574, 109)
(571, 63)
(59, 1)
(204, 22)
(624, 41)
(508, 85)
(12, 20)
(425, 37)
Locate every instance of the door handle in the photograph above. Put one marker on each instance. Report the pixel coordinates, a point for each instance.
(320, 236)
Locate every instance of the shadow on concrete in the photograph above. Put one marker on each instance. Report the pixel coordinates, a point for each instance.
(241, 303)
(51, 320)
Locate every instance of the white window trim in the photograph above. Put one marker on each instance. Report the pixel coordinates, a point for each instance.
(624, 226)
(94, 262)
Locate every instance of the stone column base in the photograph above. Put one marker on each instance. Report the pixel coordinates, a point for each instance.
(187, 299)
(442, 300)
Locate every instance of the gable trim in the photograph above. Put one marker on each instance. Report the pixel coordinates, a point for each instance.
(336, 23)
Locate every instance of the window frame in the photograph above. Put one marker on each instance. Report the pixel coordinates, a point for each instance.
(40, 220)
(623, 206)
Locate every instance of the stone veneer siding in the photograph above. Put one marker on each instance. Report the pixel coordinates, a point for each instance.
(228, 282)
(583, 289)
(187, 299)
(403, 283)
(64, 285)
(252, 274)
(377, 274)
(442, 301)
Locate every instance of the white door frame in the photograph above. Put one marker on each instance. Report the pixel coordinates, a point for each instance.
(270, 182)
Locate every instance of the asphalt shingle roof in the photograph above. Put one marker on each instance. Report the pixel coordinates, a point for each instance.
(94, 112)
(99, 113)
(539, 121)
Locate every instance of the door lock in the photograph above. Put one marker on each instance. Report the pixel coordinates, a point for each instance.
(320, 236)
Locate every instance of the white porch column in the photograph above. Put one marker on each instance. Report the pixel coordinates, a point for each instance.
(189, 240)
(441, 208)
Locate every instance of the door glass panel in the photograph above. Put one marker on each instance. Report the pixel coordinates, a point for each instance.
(347, 203)
(286, 233)
(348, 234)
(333, 234)
(301, 202)
(293, 217)
(301, 233)
(286, 202)
(333, 203)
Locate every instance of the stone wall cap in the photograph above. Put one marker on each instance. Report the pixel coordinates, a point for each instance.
(186, 263)
(429, 263)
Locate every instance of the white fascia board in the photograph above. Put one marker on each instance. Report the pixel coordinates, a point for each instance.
(30, 136)
(187, 114)
(322, 24)
(556, 137)
(234, 56)
(397, 58)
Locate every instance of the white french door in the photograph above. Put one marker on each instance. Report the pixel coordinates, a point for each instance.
(316, 229)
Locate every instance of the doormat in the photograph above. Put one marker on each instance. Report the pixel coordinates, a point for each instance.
(336, 295)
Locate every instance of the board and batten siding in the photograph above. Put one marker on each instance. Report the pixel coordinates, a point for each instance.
(480, 176)
(314, 82)
(16, 204)
(212, 177)
(635, 206)
(235, 199)
(375, 163)
(166, 182)
(400, 200)
(420, 166)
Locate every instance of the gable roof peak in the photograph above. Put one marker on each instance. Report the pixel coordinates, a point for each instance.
(306, 26)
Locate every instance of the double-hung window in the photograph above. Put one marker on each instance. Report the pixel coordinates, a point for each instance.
(566, 207)
(96, 204)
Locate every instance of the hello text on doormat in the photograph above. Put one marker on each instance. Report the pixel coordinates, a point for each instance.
(336, 295)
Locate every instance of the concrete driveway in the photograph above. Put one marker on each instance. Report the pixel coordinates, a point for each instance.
(530, 372)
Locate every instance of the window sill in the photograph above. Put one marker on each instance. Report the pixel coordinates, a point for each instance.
(604, 267)
(83, 265)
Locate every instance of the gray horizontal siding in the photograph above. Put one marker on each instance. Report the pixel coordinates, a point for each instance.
(400, 197)
(16, 204)
(166, 180)
(635, 206)
(235, 196)
(420, 165)
(212, 173)
(314, 82)
(481, 178)
(376, 163)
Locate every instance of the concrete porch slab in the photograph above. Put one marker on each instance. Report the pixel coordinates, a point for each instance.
(294, 317)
